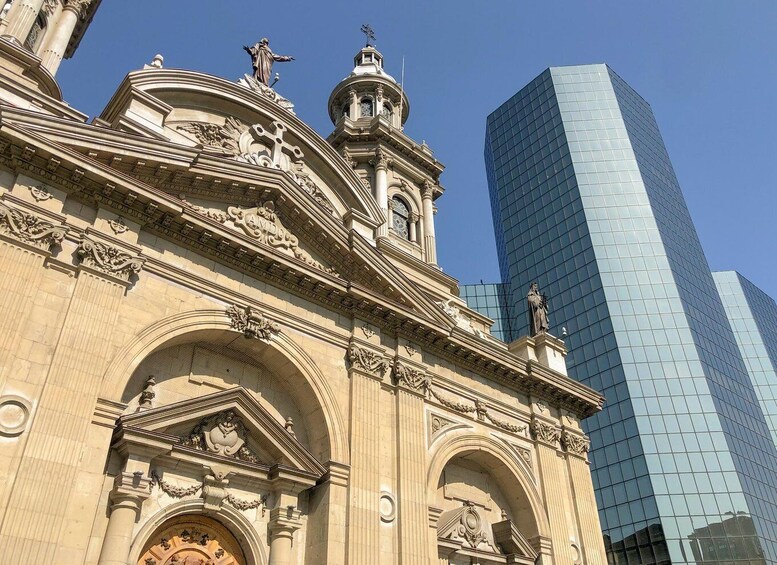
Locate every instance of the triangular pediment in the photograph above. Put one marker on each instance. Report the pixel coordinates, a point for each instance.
(229, 425)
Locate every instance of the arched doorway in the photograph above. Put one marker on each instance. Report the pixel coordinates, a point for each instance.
(192, 540)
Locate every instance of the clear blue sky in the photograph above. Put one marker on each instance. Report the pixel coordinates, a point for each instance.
(708, 68)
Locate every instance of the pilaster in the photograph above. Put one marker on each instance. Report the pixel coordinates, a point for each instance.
(52, 456)
(576, 445)
(547, 435)
(367, 367)
(412, 385)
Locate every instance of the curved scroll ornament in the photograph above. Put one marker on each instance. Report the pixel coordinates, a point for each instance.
(546, 433)
(367, 360)
(223, 434)
(29, 228)
(575, 443)
(411, 379)
(253, 324)
(108, 259)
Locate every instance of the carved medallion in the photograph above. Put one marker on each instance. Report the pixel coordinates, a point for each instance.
(223, 434)
(40, 193)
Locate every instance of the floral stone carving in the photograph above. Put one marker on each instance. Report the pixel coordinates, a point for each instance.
(29, 228)
(411, 379)
(224, 137)
(367, 360)
(575, 443)
(253, 324)
(108, 259)
(546, 433)
(223, 434)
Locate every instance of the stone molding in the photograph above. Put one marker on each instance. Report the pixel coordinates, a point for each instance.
(108, 259)
(30, 229)
(252, 323)
(546, 433)
(367, 361)
(575, 444)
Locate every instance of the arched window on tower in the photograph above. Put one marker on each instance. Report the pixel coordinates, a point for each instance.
(366, 108)
(347, 110)
(400, 217)
(387, 111)
(37, 32)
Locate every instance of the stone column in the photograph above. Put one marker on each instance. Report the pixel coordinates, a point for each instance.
(413, 521)
(52, 455)
(381, 188)
(367, 368)
(57, 38)
(429, 241)
(129, 492)
(554, 485)
(283, 523)
(576, 446)
(353, 109)
(413, 226)
(21, 17)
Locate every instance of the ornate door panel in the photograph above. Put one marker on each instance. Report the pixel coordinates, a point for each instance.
(192, 540)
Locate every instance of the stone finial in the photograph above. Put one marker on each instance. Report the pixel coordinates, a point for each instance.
(147, 395)
(157, 61)
(289, 425)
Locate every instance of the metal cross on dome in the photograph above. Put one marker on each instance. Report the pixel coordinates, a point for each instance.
(370, 33)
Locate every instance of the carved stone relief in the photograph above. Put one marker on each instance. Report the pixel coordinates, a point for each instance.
(252, 323)
(40, 193)
(411, 379)
(546, 433)
(367, 360)
(575, 443)
(461, 320)
(108, 259)
(118, 226)
(466, 525)
(192, 543)
(29, 228)
(224, 137)
(223, 434)
(387, 506)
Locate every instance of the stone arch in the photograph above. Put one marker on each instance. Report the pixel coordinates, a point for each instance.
(213, 325)
(237, 524)
(491, 450)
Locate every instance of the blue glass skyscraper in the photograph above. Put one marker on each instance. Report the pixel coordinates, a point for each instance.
(585, 202)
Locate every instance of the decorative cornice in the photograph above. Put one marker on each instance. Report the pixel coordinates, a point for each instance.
(108, 259)
(545, 433)
(367, 360)
(575, 444)
(252, 323)
(29, 228)
(411, 379)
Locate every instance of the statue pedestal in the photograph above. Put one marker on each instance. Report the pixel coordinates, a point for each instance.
(542, 348)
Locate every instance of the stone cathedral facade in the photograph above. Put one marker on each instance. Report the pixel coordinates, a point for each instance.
(226, 340)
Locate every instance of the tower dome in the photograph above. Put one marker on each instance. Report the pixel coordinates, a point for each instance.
(369, 93)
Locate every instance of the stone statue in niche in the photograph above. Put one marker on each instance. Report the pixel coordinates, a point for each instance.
(538, 311)
(262, 59)
(222, 434)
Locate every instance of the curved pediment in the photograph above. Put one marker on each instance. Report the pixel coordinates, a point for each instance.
(240, 122)
(230, 426)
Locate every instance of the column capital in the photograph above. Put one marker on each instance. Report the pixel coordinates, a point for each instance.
(109, 260)
(30, 229)
(130, 489)
(427, 191)
(545, 432)
(380, 161)
(576, 444)
(78, 7)
(367, 361)
(284, 521)
(411, 379)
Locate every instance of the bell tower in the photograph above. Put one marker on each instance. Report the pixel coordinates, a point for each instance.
(369, 109)
(50, 30)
